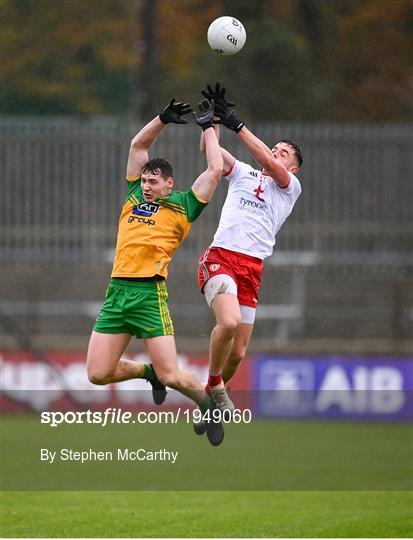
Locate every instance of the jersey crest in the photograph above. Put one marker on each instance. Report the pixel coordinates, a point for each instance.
(258, 190)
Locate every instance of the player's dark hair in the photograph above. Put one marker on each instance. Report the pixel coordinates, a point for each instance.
(158, 165)
(298, 153)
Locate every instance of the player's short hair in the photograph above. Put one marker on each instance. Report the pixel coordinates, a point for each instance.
(297, 149)
(158, 165)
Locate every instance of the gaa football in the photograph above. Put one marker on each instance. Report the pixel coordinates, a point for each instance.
(226, 35)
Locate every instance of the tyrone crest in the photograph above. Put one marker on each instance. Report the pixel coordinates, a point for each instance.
(258, 190)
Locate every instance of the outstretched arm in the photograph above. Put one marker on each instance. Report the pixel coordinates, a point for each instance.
(140, 144)
(138, 152)
(258, 150)
(227, 157)
(261, 153)
(206, 183)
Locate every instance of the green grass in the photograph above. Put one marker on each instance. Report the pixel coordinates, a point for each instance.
(360, 475)
(207, 514)
(261, 456)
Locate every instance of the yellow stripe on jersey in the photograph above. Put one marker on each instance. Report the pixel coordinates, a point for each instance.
(199, 198)
(176, 208)
(173, 205)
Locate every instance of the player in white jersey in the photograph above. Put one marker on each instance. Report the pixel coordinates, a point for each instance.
(229, 274)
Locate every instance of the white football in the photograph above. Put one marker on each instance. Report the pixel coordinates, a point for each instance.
(226, 35)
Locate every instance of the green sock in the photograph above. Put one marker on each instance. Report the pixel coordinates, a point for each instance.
(147, 372)
(206, 404)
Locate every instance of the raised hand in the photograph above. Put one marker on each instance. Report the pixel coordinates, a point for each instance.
(218, 95)
(172, 113)
(205, 114)
(227, 117)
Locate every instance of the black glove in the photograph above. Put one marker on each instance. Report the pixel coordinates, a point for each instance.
(227, 117)
(174, 111)
(218, 95)
(205, 115)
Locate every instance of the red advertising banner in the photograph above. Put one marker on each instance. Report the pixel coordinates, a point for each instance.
(62, 383)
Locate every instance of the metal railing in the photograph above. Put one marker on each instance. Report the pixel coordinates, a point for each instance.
(62, 189)
(62, 186)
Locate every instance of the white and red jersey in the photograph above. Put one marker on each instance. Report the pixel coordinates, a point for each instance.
(254, 210)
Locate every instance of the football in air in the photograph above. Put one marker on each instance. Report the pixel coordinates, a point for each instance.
(226, 35)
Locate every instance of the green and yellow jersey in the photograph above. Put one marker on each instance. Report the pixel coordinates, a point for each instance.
(149, 233)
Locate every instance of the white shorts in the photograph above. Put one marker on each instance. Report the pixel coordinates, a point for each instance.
(224, 284)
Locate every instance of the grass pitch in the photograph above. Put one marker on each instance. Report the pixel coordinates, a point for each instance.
(261, 456)
(207, 514)
(296, 456)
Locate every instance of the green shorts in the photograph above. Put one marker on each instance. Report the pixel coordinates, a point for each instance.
(136, 308)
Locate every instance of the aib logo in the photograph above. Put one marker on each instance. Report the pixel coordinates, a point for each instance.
(145, 209)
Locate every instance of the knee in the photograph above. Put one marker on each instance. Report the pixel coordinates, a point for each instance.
(170, 378)
(97, 376)
(230, 324)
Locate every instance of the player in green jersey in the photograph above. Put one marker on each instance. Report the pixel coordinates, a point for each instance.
(154, 221)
